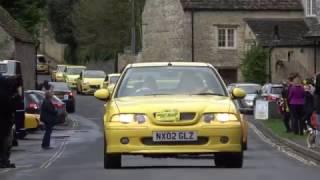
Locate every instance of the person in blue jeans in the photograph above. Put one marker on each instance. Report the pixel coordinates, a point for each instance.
(48, 116)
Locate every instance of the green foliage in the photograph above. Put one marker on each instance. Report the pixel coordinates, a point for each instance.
(29, 13)
(254, 65)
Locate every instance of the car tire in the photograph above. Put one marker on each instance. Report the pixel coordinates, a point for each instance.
(229, 160)
(112, 161)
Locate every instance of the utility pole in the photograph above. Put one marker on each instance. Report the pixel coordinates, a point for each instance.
(133, 27)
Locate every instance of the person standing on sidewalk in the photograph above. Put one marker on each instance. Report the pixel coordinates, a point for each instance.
(284, 105)
(308, 104)
(49, 116)
(296, 101)
(317, 98)
(7, 111)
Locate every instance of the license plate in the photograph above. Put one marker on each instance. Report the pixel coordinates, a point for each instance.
(66, 97)
(168, 116)
(175, 136)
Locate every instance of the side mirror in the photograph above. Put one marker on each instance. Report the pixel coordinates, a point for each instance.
(238, 93)
(102, 94)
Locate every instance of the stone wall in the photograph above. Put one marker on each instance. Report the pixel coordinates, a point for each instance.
(163, 31)
(50, 47)
(205, 35)
(301, 60)
(6, 45)
(26, 54)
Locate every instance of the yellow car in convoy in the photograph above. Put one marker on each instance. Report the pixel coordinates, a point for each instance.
(111, 81)
(32, 121)
(72, 74)
(42, 64)
(90, 81)
(170, 109)
(57, 75)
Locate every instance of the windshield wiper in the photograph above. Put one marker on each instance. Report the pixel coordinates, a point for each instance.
(208, 94)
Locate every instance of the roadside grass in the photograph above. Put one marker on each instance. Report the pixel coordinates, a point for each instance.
(277, 126)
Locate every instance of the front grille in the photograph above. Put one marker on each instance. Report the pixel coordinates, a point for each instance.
(187, 116)
(149, 142)
(95, 86)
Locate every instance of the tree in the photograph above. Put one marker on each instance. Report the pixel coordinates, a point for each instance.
(29, 13)
(103, 27)
(254, 65)
(60, 18)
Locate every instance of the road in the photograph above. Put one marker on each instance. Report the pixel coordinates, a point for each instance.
(80, 157)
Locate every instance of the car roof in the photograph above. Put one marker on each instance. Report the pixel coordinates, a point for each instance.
(115, 74)
(75, 66)
(7, 61)
(244, 84)
(163, 64)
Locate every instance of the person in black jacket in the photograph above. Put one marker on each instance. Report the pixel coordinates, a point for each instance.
(308, 104)
(7, 111)
(49, 116)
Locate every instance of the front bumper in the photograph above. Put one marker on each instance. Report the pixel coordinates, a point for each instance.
(140, 140)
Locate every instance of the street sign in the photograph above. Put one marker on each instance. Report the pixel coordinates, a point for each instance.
(261, 111)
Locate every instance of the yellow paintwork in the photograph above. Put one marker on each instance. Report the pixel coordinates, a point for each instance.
(71, 79)
(58, 75)
(44, 68)
(148, 105)
(238, 93)
(84, 84)
(245, 128)
(108, 85)
(32, 121)
(102, 94)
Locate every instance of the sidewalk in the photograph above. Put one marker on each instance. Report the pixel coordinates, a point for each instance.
(278, 135)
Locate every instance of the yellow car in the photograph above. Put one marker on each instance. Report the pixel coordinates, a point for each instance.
(90, 81)
(57, 75)
(72, 74)
(169, 109)
(111, 81)
(42, 64)
(32, 121)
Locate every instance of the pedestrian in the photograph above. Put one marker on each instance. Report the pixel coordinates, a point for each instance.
(296, 101)
(317, 98)
(284, 105)
(45, 86)
(49, 116)
(7, 111)
(308, 104)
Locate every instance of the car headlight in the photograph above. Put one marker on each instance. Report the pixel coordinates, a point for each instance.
(129, 118)
(208, 117)
(224, 117)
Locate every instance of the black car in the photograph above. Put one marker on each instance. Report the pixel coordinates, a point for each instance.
(62, 91)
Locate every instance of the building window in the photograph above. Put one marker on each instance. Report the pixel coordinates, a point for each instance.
(227, 38)
(310, 8)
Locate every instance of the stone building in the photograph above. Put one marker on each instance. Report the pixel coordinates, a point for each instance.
(221, 31)
(219, 28)
(17, 44)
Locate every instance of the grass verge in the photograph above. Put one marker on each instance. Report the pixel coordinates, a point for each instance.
(277, 126)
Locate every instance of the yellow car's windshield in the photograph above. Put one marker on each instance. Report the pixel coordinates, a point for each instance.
(74, 71)
(146, 81)
(94, 74)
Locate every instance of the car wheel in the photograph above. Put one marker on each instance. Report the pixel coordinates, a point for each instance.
(229, 160)
(112, 161)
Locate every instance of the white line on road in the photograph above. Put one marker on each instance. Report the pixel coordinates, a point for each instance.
(280, 148)
(60, 150)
